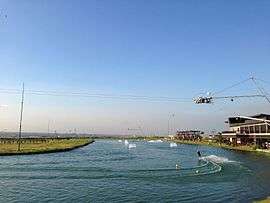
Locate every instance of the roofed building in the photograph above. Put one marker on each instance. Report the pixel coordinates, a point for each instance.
(244, 130)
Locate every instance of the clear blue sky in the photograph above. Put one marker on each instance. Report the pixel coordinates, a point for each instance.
(154, 47)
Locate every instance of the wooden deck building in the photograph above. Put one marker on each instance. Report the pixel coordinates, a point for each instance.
(189, 135)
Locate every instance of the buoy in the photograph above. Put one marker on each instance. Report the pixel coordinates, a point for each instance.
(177, 166)
(197, 171)
(131, 146)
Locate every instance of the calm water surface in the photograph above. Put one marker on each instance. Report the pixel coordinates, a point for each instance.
(107, 171)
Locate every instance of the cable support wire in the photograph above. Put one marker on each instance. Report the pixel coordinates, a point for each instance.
(232, 86)
(96, 95)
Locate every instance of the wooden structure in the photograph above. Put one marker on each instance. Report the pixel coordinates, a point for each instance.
(189, 135)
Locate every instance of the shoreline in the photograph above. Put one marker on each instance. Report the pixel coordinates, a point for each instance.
(242, 148)
(266, 200)
(31, 146)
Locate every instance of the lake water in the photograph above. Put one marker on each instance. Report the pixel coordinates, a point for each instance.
(109, 171)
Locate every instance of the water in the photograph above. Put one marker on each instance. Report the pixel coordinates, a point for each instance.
(107, 171)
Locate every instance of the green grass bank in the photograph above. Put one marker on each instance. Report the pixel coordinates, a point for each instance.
(267, 200)
(245, 148)
(9, 146)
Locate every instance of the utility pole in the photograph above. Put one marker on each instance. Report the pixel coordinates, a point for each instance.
(171, 116)
(21, 117)
(48, 134)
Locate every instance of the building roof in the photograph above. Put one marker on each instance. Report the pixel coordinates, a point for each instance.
(261, 115)
(235, 121)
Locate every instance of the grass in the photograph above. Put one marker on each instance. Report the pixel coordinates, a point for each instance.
(9, 146)
(267, 200)
(221, 145)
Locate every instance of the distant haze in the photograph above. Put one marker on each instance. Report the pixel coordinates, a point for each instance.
(175, 49)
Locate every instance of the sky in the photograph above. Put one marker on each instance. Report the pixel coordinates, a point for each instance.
(155, 48)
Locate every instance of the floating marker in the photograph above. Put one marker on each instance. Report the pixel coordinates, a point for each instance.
(177, 166)
(155, 141)
(131, 146)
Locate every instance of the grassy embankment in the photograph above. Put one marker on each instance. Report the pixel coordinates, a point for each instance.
(267, 200)
(9, 146)
(247, 148)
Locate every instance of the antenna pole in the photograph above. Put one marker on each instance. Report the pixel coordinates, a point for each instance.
(21, 117)
(48, 128)
(172, 115)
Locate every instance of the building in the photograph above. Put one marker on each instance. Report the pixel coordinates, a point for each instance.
(189, 135)
(247, 130)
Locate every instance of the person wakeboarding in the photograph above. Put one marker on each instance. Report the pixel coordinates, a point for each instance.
(199, 153)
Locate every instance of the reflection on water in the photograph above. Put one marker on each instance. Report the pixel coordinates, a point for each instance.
(110, 171)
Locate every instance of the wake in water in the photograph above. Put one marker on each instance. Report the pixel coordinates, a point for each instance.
(155, 141)
(216, 159)
(207, 165)
(205, 168)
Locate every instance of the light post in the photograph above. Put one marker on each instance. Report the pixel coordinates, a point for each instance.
(3, 106)
(21, 117)
(170, 117)
(48, 129)
(137, 129)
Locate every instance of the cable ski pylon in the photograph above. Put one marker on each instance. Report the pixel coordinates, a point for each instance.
(211, 97)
